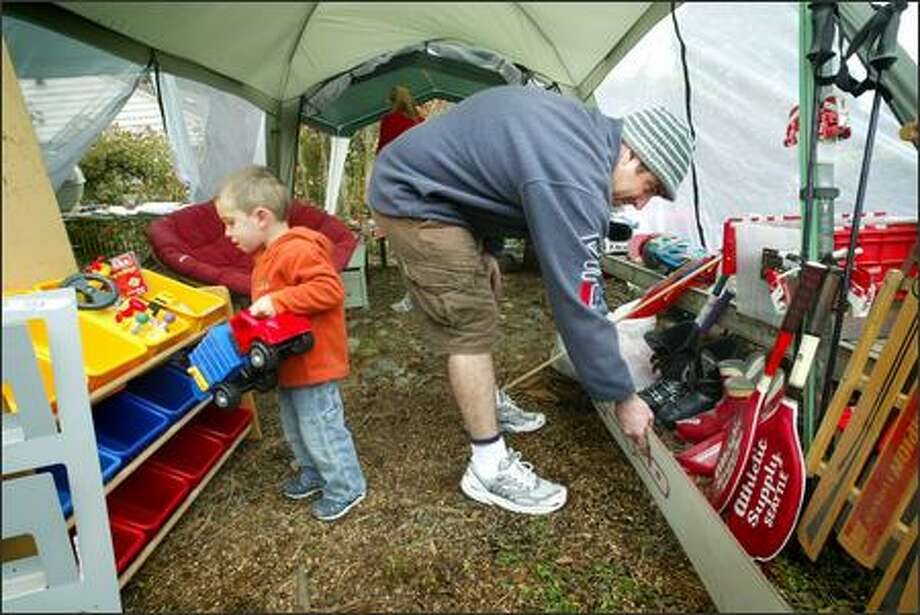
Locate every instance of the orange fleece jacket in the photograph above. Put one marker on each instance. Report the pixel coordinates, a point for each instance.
(297, 271)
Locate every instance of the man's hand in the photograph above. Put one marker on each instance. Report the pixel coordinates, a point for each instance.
(495, 274)
(263, 307)
(635, 418)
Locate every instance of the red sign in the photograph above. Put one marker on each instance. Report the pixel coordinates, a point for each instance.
(734, 453)
(126, 272)
(765, 506)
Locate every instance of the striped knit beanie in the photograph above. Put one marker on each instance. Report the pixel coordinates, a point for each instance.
(663, 144)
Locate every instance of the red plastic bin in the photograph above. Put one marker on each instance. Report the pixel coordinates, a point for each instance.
(885, 246)
(189, 454)
(147, 498)
(127, 542)
(226, 425)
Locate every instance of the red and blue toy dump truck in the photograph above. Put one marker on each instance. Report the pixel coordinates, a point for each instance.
(244, 354)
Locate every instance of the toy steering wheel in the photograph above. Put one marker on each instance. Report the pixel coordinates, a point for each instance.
(91, 297)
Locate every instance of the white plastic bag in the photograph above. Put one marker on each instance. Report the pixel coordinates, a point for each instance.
(633, 348)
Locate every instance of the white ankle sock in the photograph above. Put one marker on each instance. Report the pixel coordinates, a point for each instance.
(486, 457)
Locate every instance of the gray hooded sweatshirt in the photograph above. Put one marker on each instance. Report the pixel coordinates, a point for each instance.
(515, 161)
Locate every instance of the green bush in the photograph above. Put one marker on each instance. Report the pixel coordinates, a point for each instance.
(125, 168)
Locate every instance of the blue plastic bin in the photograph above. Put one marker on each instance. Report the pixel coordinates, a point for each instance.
(109, 463)
(168, 389)
(125, 424)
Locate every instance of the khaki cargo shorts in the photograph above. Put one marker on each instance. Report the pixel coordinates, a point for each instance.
(446, 275)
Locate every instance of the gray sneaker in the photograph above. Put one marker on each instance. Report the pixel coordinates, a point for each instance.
(516, 487)
(325, 509)
(512, 419)
(296, 488)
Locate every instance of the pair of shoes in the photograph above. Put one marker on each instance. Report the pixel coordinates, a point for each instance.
(691, 404)
(663, 392)
(296, 488)
(737, 392)
(326, 509)
(674, 349)
(403, 305)
(512, 418)
(516, 487)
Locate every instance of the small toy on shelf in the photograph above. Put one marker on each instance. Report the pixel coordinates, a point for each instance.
(140, 319)
(129, 307)
(100, 266)
(126, 272)
(165, 298)
(97, 296)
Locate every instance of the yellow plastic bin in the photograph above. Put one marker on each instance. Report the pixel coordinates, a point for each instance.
(155, 340)
(202, 309)
(106, 354)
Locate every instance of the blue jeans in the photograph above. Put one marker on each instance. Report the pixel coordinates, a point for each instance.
(313, 419)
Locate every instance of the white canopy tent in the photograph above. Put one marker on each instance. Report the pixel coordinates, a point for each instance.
(272, 54)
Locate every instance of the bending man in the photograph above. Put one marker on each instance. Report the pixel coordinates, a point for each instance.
(521, 161)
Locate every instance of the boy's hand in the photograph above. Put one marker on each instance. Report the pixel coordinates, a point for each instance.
(263, 307)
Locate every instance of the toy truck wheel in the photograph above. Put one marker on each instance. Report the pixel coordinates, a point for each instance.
(227, 396)
(302, 343)
(267, 382)
(262, 357)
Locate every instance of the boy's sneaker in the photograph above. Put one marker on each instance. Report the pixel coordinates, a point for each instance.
(516, 487)
(512, 419)
(296, 488)
(326, 509)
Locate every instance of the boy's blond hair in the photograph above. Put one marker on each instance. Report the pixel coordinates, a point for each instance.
(252, 187)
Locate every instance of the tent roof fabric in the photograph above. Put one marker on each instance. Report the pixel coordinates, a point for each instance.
(364, 101)
(276, 51)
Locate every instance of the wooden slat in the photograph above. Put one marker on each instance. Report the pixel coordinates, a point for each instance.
(177, 514)
(854, 375)
(889, 488)
(896, 364)
(898, 588)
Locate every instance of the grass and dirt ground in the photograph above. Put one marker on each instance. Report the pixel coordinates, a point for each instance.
(417, 543)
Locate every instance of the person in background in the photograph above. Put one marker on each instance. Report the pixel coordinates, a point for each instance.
(521, 162)
(403, 115)
(293, 272)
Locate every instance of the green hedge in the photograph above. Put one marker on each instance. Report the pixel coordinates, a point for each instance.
(125, 168)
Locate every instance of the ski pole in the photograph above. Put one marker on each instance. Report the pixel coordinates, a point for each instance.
(886, 33)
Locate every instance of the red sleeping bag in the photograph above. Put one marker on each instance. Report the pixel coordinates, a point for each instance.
(191, 242)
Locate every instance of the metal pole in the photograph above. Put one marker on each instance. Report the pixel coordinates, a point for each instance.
(816, 167)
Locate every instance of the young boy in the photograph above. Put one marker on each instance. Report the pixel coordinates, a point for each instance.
(293, 272)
